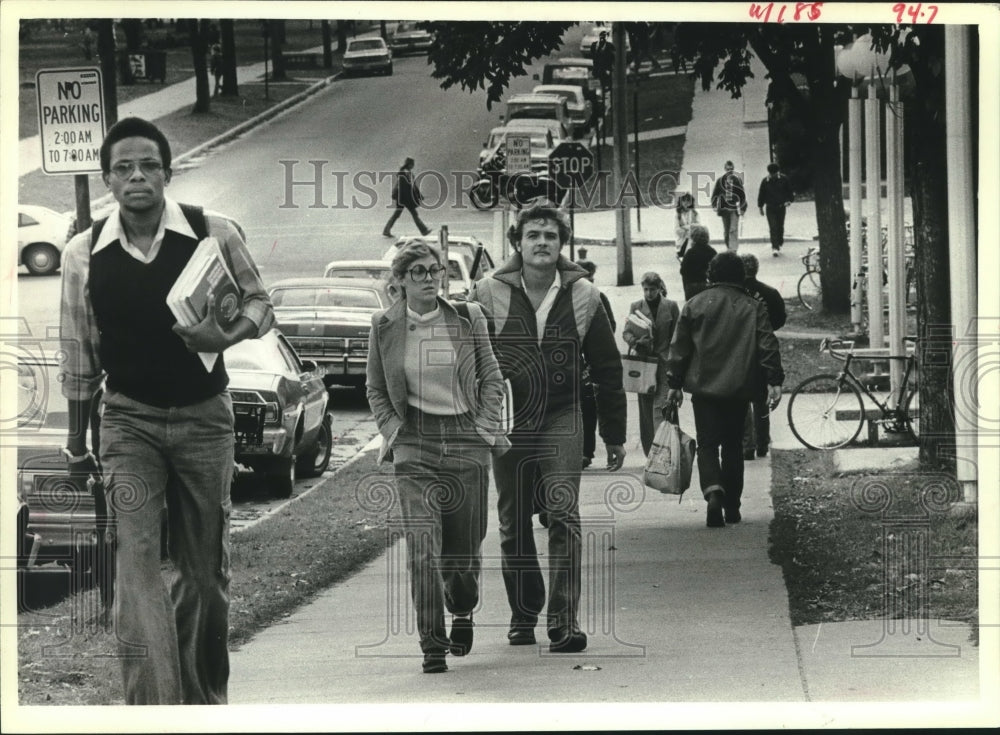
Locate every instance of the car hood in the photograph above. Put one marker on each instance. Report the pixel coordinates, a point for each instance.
(362, 317)
(252, 380)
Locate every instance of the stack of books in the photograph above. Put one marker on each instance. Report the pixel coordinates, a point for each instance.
(206, 275)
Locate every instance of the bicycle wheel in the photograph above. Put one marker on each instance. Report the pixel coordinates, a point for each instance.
(809, 290)
(825, 412)
(912, 414)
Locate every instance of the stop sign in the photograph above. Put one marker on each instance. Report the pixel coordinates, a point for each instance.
(571, 163)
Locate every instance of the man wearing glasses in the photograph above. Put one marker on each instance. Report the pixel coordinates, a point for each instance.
(548, 320)
(167, 422)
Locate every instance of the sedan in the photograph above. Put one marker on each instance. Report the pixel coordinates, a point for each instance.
(56, 521)
(367, 55)
(581, 109)
(280, 402)
(465, 245)
(41, 236)
(408, 37)
(327, 320)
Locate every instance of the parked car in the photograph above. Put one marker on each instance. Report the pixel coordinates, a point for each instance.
(574, 70)
(581, 109)
(537, 107)
(375, 270)
(57, 532)
(41, 236)
(280, 404)
(408, 37)
(327, 320)
(465, 245)
(367, 55)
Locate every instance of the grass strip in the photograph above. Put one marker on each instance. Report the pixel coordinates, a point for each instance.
(276, 567)
(870, 545)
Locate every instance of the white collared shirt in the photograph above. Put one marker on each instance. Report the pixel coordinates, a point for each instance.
(542, 312)
(173, 219)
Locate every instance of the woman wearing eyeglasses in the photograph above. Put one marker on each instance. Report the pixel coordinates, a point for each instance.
(435, 390)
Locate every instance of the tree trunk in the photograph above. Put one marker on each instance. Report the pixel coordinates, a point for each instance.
(341, 36)
(278, 72)
(199, 52)
(930, 217)
(327, 45)
(106, 52)
(382, 29)
(828, 189)
(230, 86)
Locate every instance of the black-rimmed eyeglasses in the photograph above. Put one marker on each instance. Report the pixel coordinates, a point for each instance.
(419, 273)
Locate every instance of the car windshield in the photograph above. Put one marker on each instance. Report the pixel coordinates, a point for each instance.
(344, 298)
(533, 113)
(570, 72)
(252, 354)
(366, 45)
(565, 94)
(406, 28)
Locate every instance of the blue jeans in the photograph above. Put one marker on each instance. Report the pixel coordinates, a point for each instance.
(442, 476)
(556, 453)
(731, 228)
(173, 644)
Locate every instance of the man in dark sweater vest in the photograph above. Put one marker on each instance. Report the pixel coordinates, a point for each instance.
(167, 425)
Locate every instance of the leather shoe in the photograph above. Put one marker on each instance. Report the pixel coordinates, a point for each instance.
(747, 456)
(461, 636)
(567, 640)
(521, 636)
(714, 517)
(762, 452)
(434, 662)
(733, 515)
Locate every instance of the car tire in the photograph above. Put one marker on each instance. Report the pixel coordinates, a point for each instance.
(281, 477)
(315, 462)
(40, 258)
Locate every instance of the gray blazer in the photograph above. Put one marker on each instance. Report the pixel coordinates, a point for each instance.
(479, 375)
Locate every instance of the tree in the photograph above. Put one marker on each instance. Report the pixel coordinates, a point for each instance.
(327, 45)
(230, 86)
(341, 36)
(199, 52)
(276, 29)
(458, 58)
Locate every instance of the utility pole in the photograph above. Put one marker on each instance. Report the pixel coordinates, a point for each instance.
(623, 235)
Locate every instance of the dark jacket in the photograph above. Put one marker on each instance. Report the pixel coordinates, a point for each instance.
(772, 300)
(728, 193)
(722, 335)
(694, 264)
(545, 378)
(405, 192)
(775, 192)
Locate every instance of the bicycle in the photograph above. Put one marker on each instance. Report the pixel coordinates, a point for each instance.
(827, 411)
(810, 290)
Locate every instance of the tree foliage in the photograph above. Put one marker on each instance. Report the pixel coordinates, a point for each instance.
(487, 55)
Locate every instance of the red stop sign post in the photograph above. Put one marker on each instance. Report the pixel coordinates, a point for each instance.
(571, 164)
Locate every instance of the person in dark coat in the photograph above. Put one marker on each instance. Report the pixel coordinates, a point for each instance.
(723, 337)
(406, 195)
(757, 427)
(776, 193)
(694, 264)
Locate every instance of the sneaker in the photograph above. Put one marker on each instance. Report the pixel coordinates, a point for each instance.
(775, 253)
(461, 636)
